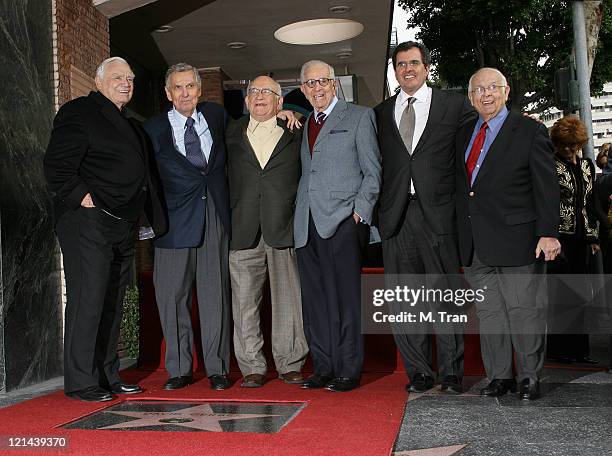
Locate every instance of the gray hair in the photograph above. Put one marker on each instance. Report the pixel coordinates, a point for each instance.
(180, 68)
(312, 63)
(495, 70)
(102, 66)
(276, 86)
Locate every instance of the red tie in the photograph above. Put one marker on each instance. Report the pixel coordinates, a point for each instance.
(472, 159)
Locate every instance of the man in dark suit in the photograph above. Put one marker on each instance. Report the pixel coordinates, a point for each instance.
(335, 200)
(190, 151)
(416, 215)
(97, 170)
(508, 218)
(263, 158)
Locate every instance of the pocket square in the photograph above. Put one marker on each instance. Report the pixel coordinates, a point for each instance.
(331, 132)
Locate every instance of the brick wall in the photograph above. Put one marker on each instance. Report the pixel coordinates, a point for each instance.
(212, 84)
(81, 42)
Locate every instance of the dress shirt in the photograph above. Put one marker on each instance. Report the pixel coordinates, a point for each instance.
(421, 113)
(263, 137)
(177, 122)
(329, 109)
(494, 125)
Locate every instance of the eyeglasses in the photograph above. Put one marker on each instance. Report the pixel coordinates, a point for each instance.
(264, 91)
(311, 83)
(493, 88)
(410, 63)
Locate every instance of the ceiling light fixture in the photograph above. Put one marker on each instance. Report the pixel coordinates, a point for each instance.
(340, 9)
(164, 29)
(236, 45)
(318, 31)
(343, 55)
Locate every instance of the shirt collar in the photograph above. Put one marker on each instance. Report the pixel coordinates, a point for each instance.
(266, 124)
(421, 95)
(496, 122)
(182, 119)
(330, 108)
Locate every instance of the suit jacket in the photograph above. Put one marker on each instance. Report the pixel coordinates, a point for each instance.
(343, 174)
(431, 166)
(94, 149)
(515, 198)
(262, 199)
(186, 189)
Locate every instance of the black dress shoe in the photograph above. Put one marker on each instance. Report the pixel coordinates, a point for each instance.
(451, 385)
(253, 381)
(342, 384)
(175, 383)
(316, 381)
(529, 390)
(499, 387)
(91, 394)
(420, 383)
(219, 382)
(124, 388)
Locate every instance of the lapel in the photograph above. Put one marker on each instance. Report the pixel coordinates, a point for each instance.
(110, 113)
(333, 119)
(165, 139)
(243, 124)
(282, 142)
(388, 116)
(437, 108)
(462, 143)
(214, 132)
(498, 148)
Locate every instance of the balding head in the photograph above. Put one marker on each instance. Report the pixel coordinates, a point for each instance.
(263, 98)
(488, 92)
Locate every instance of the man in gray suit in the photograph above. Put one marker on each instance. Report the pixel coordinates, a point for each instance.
(263, 164)
(338, 190)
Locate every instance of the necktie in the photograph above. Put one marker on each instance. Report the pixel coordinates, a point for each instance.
(320, 117)
(406, 126)
(193, 148)
(472, 159)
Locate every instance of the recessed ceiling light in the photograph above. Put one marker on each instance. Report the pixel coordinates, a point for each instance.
(164, 29)
(340, 9)
(318, 31)
(344, 55)
(236, 45)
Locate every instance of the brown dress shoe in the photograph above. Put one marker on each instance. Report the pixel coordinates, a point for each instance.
(292, 377)
(253, 381)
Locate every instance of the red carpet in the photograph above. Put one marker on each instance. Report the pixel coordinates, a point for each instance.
(362, 422)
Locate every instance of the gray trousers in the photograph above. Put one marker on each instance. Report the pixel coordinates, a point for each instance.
(512, 315)
(173, 276)
(248, 271)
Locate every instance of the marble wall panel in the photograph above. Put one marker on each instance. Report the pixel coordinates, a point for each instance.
(30, 308)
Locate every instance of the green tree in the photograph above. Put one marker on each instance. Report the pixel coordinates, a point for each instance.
(527, 40)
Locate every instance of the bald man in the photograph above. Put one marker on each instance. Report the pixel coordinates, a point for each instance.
(264, 171)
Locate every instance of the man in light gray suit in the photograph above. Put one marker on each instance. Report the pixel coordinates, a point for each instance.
(340, 181)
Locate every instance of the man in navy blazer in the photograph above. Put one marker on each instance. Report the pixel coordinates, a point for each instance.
(190, 151)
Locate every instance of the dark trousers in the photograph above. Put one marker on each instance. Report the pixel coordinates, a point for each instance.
(566, 310)
(98, 251)
(417, 250)
(330, 275)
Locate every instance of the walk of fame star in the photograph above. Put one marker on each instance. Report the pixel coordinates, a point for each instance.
(199, 417)
(191, 416)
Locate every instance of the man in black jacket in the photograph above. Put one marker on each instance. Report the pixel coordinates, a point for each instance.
(508, 219)
(416, 215)
(264, 171)
(97, 170)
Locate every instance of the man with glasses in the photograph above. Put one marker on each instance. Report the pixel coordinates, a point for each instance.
(508, 218)
(263, 158)
(416, 214)
(189, 146)
(335, 200)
